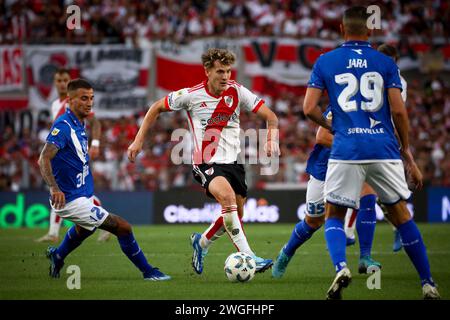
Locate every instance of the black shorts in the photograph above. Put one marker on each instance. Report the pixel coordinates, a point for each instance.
(233, 172)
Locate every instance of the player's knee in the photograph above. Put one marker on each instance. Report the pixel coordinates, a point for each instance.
(315, 222)
(123, 228)
(227, 199)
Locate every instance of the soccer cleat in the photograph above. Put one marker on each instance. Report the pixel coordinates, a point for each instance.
(280, 265)
(55, 264)
(341, 281)
(48, 238)
(397, 246)
(430, 292)
(262, 264)
(350, 241)
(104, 236)
(368, 265)
(198, 254)
(156, 275)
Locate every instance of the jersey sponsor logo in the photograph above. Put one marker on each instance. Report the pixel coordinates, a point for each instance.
(203, 105)
(373, 123)
(365, 131)
(55, 132)
(371, 130)
(357, 63)
(222, 117)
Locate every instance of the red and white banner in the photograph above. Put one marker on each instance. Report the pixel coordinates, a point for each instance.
(120, 75)
(180, 66)
(11, 68)
(275, 65)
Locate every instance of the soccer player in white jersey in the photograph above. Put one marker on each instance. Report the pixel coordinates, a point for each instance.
(364, 90)
(212, 109)
(60, 80)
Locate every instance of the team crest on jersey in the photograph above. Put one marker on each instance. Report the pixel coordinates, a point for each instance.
(210, 171)
(228, 101)
(55, 132)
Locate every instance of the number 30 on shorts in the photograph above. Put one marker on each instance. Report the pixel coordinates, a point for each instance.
(315, 209)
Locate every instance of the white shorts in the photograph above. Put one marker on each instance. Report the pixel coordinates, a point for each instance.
(344, 182)
(83, 212)
(315, 206)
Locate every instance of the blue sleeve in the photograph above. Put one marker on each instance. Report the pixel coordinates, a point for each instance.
(58, 135)
(393, 76)
(316, 80)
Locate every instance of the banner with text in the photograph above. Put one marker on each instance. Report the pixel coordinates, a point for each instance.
(120, 75)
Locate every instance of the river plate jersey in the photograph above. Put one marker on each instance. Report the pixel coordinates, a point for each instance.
(357, 77)
(214, 120)
(71, 164)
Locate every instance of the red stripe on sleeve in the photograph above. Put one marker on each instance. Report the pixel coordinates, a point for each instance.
(256, 108)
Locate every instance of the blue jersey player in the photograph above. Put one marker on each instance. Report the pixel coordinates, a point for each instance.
(315, 211)
(364, 91)
(64, 165)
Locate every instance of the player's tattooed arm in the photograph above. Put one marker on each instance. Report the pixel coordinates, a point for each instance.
(48, 153)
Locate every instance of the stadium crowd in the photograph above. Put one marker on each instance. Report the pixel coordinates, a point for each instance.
(428, 107)
(137, 22)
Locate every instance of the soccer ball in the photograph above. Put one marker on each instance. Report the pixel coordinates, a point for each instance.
(240, 267)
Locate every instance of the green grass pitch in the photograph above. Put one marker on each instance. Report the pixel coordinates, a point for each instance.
(107, 274)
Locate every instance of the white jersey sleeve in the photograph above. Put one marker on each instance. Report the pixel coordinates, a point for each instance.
(178, 100)
(404, 88)
(248, 100)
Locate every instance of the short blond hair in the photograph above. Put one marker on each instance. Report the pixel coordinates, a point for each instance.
(224, 56)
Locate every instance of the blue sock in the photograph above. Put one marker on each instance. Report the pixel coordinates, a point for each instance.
(131, 249)
(301, 233)
(365, 224)
(415, 248)
(71, 241)
(336, 240)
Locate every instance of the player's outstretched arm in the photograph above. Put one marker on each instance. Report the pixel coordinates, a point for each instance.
(272, 145)
(96, 130)
(151, 116)
(324, 137)
(311, 107)
(401, 122)
(48, 153)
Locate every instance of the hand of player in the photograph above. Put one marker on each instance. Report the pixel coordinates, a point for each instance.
(412, 169)
(415, 174)
(57, 197)
(94, 152)
(133, 150)
(271, 148)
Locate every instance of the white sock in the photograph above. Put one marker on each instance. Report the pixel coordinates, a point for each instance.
(55, 224)
(234, 229)
(350, 229)
(214, 232)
